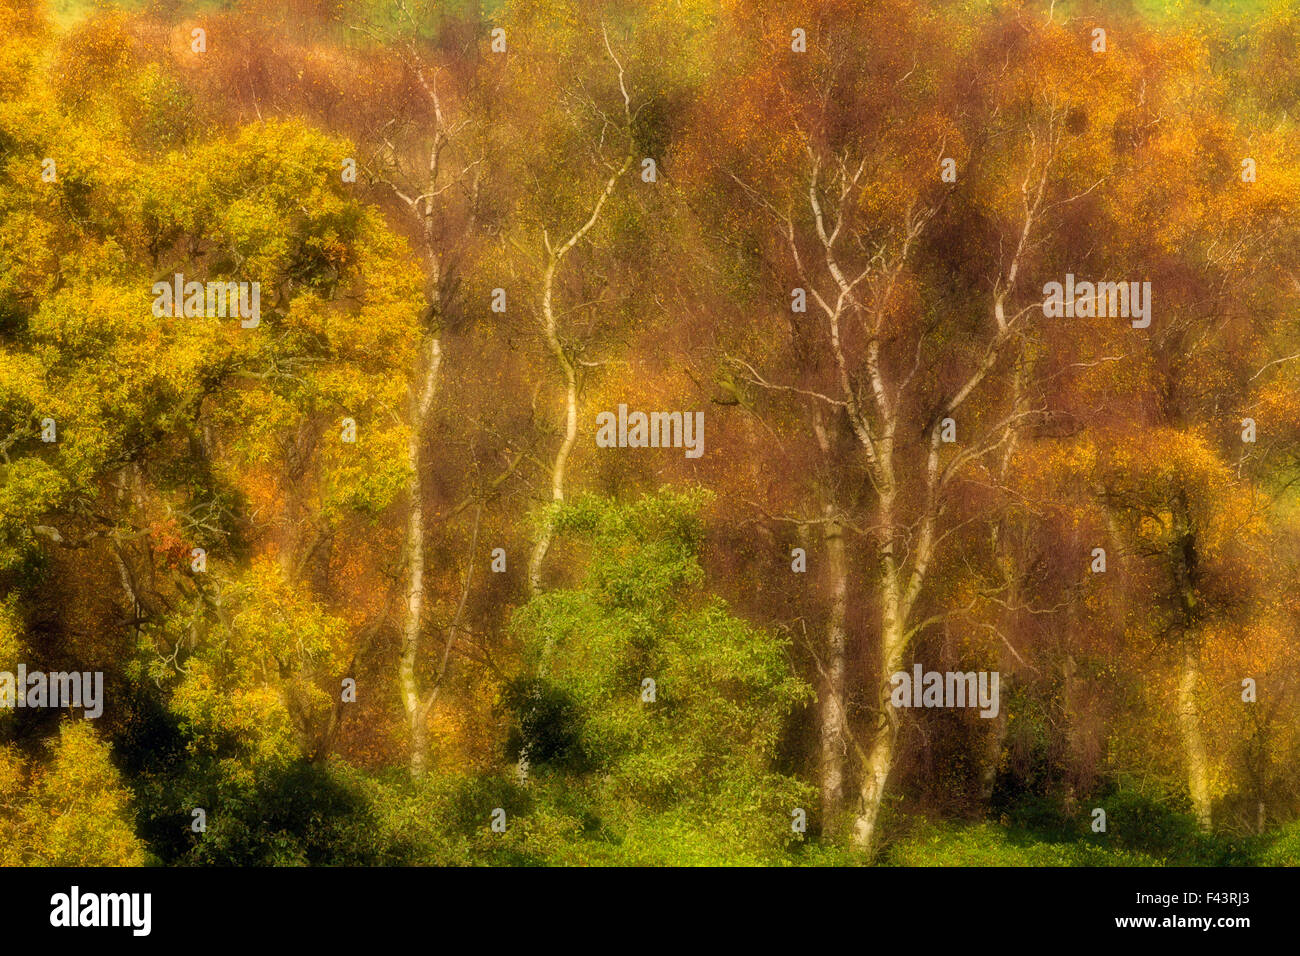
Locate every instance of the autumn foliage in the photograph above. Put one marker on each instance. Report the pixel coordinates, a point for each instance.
(364, 587)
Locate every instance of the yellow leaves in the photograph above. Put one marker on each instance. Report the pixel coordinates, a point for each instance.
(23, 389)
(75, 812)
(1278, 405)
(80, 320)
(259, 677)
(367, 476)
(1252, 647)
(11, 638)
(1055, 468)
(98, 52)
(27, 245)
(1159, 470)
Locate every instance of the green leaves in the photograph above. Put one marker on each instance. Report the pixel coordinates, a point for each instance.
(701, 747)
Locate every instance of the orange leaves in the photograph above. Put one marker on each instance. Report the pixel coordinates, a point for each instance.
(770, 107)
(97, 52)
(169, 544)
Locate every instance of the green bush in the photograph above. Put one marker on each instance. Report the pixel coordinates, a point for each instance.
(984, 844)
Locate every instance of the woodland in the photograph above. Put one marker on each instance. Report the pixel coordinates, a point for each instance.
(394, 574)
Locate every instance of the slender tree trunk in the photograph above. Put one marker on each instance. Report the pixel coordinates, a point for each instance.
(415, 714)
(881, 749)
(833, 729)
(543, 543)
(551, 328)
(880, 761)
(1185, 566)
(997, 734)
(1009, 567)
(1189, 723)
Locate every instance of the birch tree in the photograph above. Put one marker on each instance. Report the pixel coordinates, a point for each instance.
(852, 215)
(555, 252)
(432, 157)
